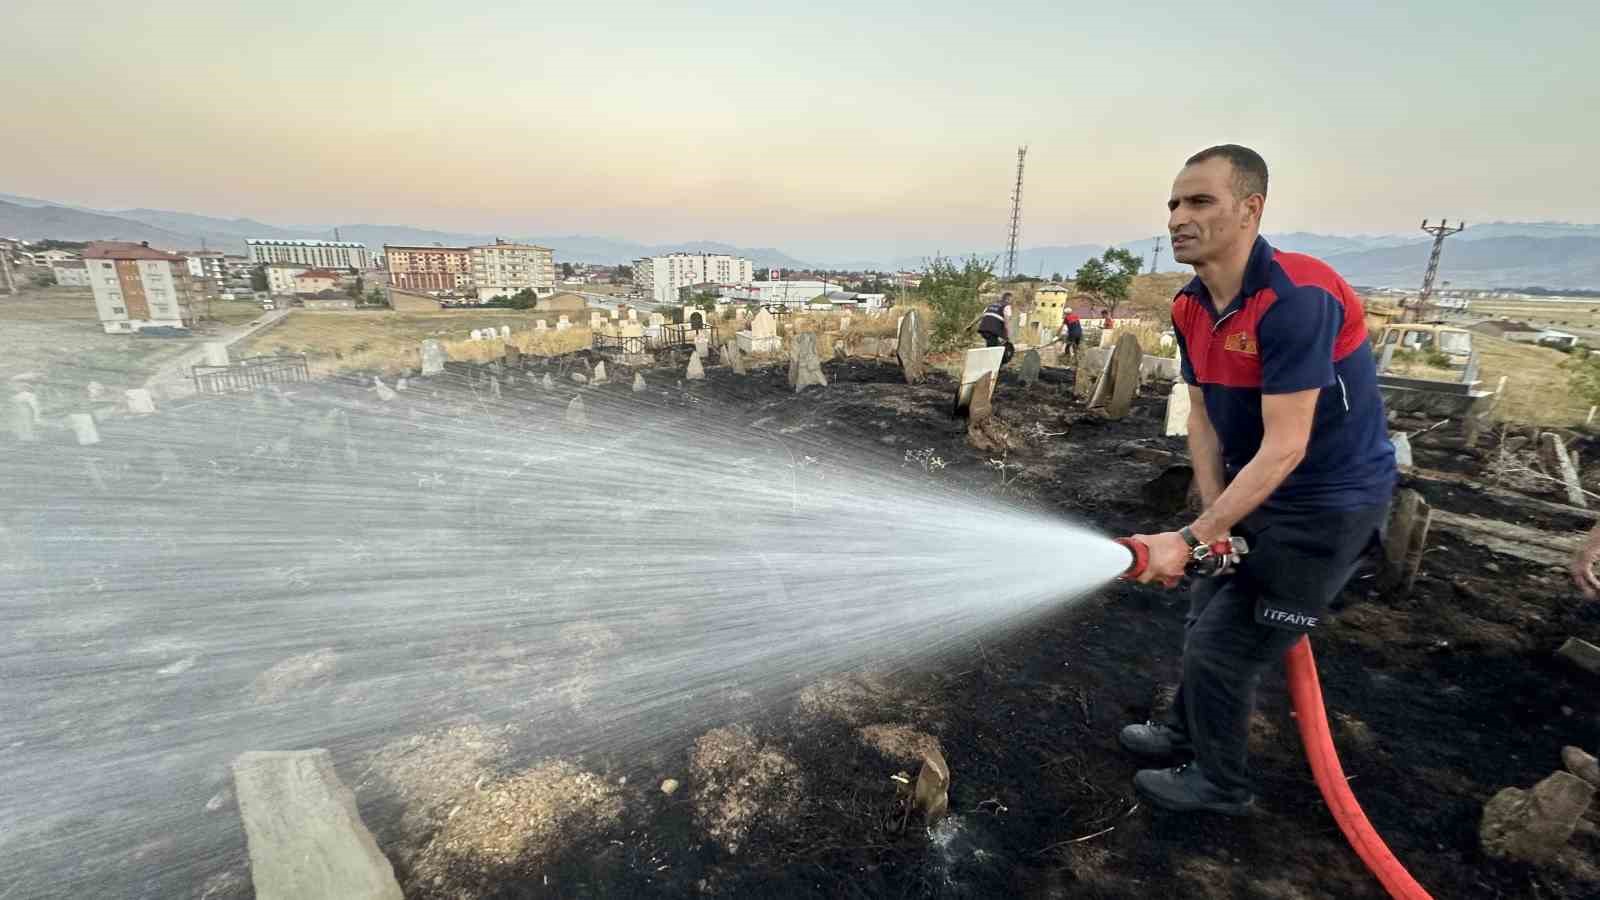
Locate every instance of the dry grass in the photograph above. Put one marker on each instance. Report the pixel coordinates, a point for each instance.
(1537, 390)
(390, 342)
(742, 784)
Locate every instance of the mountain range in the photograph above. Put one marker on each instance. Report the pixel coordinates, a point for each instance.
(1499, 254)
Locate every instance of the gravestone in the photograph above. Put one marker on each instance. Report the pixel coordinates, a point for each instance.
(868, 347)
(384, 392)
(984, 431)
(804, 367)
(217, 354)
(596, 320)
(1030, 367)
(633, 315)
(513, 356)
(140, 401)
(1088, 370)
(638, 383)
(844, 323)
(696, 371)
(911, 348)
(401, 383)
(21, 420)
(975, 364)
(1108, 336)
(505, 332)
(1558, 464)
(762, 336)
(304, 832)
(657, 320)
(1116, 390)
(97, 391)
(549, 383)
(475, 335)
(577, 416)
(730, 352)
(1177, 411)
(494, 387)
(1405, 541)
(702, 345)
(433, 357)
(599, 374)
(540, 325)
(579, 378)
(562, 324)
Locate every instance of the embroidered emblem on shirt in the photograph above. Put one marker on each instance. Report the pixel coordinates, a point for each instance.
(1240, 342)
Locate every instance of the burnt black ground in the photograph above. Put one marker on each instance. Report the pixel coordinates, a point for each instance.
(1438, 701)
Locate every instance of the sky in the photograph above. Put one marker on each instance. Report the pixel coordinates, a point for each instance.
(823, 129)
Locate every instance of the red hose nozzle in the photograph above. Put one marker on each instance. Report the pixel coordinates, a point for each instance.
(1141, 558)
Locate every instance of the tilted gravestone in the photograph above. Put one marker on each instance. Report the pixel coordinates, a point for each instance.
(975, 364)
(1116, 390)
(549, 383)
(912, 347)
(984, 431)
(730, 352)
(804, 366)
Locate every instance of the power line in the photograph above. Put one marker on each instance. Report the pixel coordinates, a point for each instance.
(1016, 217)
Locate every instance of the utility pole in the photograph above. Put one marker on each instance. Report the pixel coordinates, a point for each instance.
(1439, 232)
(1016, 217)
(1155, 254)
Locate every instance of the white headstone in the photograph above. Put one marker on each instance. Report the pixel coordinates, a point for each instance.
(696, 371)
(140, 401)
(1177, 410)
(562, 324)
(475, 335)
(844, 323)
(638, 383)
(633, 315)
(433, 357)
(549, 383)
(505, 331)
(763, 326)
(20, 417)
(596, 320)
(217, 353)
(702, 344)
(657, 320)
(384, 392)
(83, 426)
(1402, 449)
(974, 365)
(401, 384)
(600, 376)
(97, 391)
(494, 387)
(540, 325)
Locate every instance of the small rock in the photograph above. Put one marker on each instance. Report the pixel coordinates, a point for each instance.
(1581, 764)
(669, 787)
(1491, 567)
(1534, 825)
(580, 378)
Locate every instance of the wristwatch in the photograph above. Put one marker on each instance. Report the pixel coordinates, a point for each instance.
(1188, 537)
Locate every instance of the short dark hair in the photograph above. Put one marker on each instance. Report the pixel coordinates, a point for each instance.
(1249, 169)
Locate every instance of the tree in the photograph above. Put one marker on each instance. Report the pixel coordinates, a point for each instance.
(1108, 278)
(625, 273)
(357, 288)
(566, 270)
(258, 278)
(954, 295)
(1056, 277)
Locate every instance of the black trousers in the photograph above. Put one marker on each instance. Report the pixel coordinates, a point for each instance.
(994, 340)
(1239, 625)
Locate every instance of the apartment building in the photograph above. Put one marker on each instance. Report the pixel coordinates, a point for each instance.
(429, 268)
(71, 273)
(136, 286)
(315, 281)
(280, 278)
(660, 277)
(502, 269)
(310, 254)
(206, 263)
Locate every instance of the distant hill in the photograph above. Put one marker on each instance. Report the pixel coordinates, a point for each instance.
(32, 223)
(1508, 262)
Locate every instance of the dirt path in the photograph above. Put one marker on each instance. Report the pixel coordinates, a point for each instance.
(172, 380)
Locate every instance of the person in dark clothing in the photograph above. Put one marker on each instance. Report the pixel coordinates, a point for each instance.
(994, 325)
(1290, 448)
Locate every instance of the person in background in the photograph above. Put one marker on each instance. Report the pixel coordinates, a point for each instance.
(1071, 333)
(994, 325)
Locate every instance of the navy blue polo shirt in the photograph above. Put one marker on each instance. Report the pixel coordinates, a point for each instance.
(1295, 325)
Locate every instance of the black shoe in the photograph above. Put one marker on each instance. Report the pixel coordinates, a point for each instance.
(1187, 789)
(1152, 740)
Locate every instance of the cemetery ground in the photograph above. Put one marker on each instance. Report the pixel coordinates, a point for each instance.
(1438, 698)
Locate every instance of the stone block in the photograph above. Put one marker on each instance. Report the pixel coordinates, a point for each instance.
(975, 364)
(638, 383)
(749, 343)
(139, 401)
(1580, 654)
(805, 368)
(305, 836)
(600, 376)
(433, 357)
(763, 325)
(1407, 538)
(83, 427)
(1177, 410)
(696, 371)
(1158, 368)
(1030, 367)
(1533, 826)
(1120, 384)
(911, 347)
(1402, 450)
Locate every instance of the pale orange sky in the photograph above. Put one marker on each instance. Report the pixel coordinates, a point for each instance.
(823, 127)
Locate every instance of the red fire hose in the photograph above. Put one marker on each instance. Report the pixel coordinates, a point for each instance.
(1305, 692)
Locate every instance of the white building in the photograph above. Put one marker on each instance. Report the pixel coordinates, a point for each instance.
(660, 277)
(779, 293)
(137, 287)
(71, 273)
(281, 276)
(501, 269)
(206, 264)
(311, 254)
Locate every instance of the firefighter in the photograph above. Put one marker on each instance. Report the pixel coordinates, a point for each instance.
(994, 325)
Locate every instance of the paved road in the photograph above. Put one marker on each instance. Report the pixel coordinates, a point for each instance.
(172, 380)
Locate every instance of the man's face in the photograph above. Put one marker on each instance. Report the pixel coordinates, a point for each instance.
(1205, 219)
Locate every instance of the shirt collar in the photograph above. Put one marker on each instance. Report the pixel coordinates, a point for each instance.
(1257, 275)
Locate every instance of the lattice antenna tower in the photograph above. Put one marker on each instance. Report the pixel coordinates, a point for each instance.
(1016, 216)
(1155, 254)
(1440, 231)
